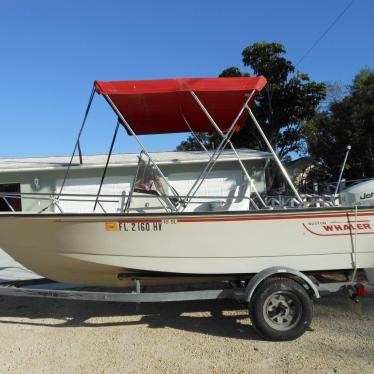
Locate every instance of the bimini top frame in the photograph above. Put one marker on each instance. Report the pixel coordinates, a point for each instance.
(185, 105)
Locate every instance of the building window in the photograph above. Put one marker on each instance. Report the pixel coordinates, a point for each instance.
(14, 202)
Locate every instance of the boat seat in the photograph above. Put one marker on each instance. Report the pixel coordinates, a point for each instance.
(237, 199)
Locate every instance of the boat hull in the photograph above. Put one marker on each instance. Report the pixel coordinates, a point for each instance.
(98, 249)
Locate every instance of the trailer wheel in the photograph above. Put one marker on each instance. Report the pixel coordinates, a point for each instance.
(281, 309)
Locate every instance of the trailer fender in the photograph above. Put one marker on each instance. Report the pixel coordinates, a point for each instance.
(277, 270)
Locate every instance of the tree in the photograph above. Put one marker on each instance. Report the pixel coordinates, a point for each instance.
(191, 143)
(347, 121)
(335, 91)
(233, 72)
(289, 99)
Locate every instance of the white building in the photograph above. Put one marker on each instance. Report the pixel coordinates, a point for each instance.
(46, 174)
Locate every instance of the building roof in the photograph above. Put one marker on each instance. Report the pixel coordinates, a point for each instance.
(122, 160)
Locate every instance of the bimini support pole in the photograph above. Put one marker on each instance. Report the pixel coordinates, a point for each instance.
(213, 158)
(77, 146)
(194, 135)
(131, 131)
(80, 154)
(106, 166)
(213, 122)
(284, 171)
(78, 139)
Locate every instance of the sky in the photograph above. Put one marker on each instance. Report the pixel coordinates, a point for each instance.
(52, 51)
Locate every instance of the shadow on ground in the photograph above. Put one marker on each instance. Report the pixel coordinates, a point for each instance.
(223, 318)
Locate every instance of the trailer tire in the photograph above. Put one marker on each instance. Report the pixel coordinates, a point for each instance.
(281, 309)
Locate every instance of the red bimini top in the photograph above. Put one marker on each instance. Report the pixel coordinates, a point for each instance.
(158, 106)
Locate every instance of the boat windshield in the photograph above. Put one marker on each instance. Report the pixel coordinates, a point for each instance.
(149, 180)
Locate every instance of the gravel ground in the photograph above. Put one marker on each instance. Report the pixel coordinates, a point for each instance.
(59, 336)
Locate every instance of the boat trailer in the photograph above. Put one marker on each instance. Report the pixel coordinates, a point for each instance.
(279, 306)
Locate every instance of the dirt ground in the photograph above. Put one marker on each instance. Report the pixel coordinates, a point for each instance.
(59, 336)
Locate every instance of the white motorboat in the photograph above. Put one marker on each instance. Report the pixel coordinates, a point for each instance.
(99, 249)
(159, 232)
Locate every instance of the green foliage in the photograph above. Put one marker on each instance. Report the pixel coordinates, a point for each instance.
(191, 143)
(346, 121)
(267, 59)
(233, 72)
(289, 100)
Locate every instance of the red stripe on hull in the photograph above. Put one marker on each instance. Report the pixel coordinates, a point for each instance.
(140, 221)
(260, 218)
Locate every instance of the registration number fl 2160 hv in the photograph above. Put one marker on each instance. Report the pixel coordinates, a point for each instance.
(139, 226)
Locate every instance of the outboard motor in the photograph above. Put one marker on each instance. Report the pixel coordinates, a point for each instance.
(358, 194)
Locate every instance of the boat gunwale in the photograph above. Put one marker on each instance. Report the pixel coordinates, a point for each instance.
(351, 211)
